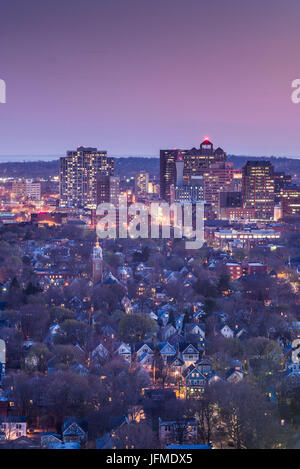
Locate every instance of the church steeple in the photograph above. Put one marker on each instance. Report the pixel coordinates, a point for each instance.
(97, 259)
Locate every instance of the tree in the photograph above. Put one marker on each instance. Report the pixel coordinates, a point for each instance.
(74, 332)
(250, 421)
(59, 314)
(135, 436)
(134, 328)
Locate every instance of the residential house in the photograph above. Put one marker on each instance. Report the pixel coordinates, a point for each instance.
(124, 350)
(178, 431)
(194, 382)
(13, 426)
(234, 376)
(75, 430)
(167, 332)
(50, 439)
(105, 442)
(166, 350)
(189, 353)
(175, 366)
(226, 332)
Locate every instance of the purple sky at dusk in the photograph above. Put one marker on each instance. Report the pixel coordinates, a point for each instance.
(134, 76)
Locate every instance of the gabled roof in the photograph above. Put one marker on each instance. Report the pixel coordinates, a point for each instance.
(13, 419)
(191, 369)
(185, 345)
(165, 347)
(204, 361)
(83, 424)
(172, 360)
(139, 345)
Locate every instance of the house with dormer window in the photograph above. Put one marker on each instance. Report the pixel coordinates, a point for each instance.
(194, 382)
(124, 350)
(74, 430)
(189, 353)
(175, 366)
(166, 350)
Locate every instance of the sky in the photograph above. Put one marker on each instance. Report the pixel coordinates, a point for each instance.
(134, 76)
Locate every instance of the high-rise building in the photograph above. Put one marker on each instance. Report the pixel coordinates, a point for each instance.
(108, 189)
(217, 179)
(141, 182)
(78, 176)
(290, 200)
(259, 189)
(168, 160)
(196, 161)
(282, 180)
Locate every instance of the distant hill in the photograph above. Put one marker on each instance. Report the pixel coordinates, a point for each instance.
(127, 166)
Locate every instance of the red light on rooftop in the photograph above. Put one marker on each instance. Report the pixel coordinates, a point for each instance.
(206, 139)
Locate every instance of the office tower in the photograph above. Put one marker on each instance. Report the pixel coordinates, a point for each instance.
(141, 182)
(282, 180)
(108, 189)
(97, 261)
(168, 160)
(259, 189)
(26, 189)
(217, 179)
(290, 200)
(78, 176)
(196, 161)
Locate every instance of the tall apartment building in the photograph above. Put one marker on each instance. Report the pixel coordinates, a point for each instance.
(259, 189)
(141, 182)
(78, 176)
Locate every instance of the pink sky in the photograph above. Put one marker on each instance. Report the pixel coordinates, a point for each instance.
(134, 76)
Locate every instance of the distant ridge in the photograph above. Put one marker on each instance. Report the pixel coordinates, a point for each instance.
(127, 166)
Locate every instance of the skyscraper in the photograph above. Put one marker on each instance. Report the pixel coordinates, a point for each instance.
(168, 160)
(196, 161)
(259, 189)
(78, 176)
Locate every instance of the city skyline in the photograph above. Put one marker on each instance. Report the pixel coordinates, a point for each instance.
(70, 85)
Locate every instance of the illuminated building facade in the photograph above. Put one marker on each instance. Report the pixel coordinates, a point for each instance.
(78, 176)
(108, 189)
(259, 189)
(290, 201)
(26, 189)
(196, 162)
(141, 181)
